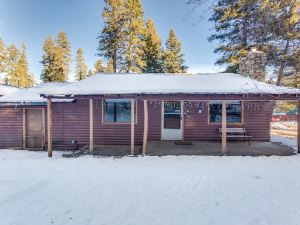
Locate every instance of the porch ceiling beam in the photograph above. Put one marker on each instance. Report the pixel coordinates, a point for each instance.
(91, 126)
(132, 127)
(49, 123)
(224, 125)
(146, 124)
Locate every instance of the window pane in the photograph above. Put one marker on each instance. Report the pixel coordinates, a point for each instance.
(233, 112)
(172, 121)
(123, 112)
(117, 111)
(109, 115)
(215, 113)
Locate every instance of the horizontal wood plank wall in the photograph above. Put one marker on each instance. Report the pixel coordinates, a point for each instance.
(256, 122)
(71, 122)
(11, 132)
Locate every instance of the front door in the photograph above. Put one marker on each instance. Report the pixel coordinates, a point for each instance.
(34, 129)
(172, 124)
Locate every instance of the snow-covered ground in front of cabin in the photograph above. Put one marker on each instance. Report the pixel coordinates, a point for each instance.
(284, 125)
(175, 190)
(289, 141)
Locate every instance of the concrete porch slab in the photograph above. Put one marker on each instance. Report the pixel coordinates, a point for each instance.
(160, 148)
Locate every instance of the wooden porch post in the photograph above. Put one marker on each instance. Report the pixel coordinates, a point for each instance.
(298, 124)
(132, 128)
(49, 123)
(91, 127)
(24, 129)
(145, 138)
(224, 125)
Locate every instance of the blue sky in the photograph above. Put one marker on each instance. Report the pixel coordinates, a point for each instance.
(30, 21)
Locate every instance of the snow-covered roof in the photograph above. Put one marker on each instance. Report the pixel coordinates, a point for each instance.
(5, 89)
(217, 83)
(32, 95)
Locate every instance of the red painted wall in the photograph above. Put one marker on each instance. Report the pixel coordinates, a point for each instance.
(71, 122)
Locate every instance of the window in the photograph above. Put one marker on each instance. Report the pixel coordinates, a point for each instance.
(117, 110)
(172, 114)
(233, 112)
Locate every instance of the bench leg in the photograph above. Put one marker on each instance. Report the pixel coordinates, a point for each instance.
(249, 141)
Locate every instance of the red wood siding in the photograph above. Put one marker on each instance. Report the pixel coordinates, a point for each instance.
(255, 121)
(71, 122)
(11, 127)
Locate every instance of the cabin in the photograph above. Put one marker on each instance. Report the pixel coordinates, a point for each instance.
(135, 109)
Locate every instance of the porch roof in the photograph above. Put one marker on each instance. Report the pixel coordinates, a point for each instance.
(217, 83)
(31, 96)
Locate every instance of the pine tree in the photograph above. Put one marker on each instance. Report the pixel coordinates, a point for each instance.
(49, 66)
(91, 72)
(109, 67)
(134, 33)
(98, 67)
(152, 51)
(81, 67)
(12, 65)
(63, 45)
(234, 21)
(56, 59)
(111, 39)
(283, 31)
(3, 56)
(23, 75)
(173, 61)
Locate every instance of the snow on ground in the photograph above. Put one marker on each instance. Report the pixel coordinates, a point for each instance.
(292, 142)
(284, 125)
(35, 190)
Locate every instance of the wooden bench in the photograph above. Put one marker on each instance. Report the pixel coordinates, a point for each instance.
(233, 133)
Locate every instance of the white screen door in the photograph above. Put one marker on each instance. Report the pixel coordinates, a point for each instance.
(172, 124)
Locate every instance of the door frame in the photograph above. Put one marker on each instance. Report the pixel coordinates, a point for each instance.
(24, 128)
(181, 120)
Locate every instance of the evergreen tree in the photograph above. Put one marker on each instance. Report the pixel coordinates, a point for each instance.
(234, 21)
(24, 78)
(91, 72)
(111, 39)
(110, 67)
(56, 59)
(134, 33)
(13, 56)
(49, 72)
(81, 67)
(152, 51)
(3, 56)
(281, 25)
(63, 45)
(173, 61)
(98, 67)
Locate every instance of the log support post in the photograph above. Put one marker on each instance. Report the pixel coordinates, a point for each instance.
(132, 127)
(298, 127)
(24, 129)
(49, 123)
(91, 126)
(224, 125)
(145, 137)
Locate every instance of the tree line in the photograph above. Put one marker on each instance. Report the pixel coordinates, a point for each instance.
(271, 26)
(127, 43)
(13, 63)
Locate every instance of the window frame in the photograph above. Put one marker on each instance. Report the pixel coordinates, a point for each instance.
(119, 123)
(230, 123)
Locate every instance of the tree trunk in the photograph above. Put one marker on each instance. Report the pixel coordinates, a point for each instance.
(281, 67)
